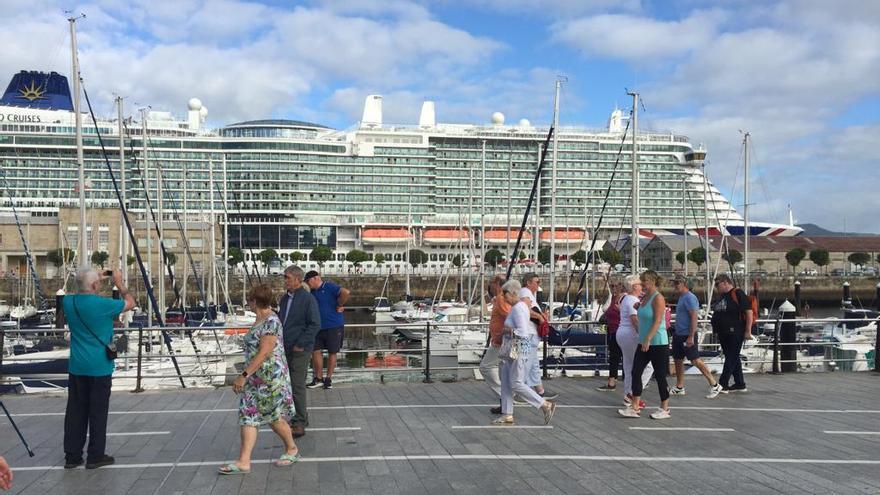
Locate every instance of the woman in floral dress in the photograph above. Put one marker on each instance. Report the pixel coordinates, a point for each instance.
(264, 385)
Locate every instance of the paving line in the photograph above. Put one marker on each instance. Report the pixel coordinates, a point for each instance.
(458, 406)
(844, 432)
(310, 430)
(677, 428)
(501, 427)
(137, 433)
(492, 457)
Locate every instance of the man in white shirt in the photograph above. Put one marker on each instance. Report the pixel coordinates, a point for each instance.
(528, 294)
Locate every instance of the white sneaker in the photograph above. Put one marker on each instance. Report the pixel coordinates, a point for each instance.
(628, 413)
(714, 391)
(661, 414)
(677, 391)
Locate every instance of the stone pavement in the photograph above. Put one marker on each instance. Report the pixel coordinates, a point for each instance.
(805, 433)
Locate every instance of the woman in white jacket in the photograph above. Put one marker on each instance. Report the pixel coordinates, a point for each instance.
(513, 373)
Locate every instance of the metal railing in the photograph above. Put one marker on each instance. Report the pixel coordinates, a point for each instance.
(218, 344)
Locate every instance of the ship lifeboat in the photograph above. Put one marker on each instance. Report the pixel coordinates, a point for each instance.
(385, 236)
(499, 236)
(446, 236)
(564, 236)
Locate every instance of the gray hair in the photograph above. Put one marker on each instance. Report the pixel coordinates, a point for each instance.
(528, 277)
(512, 286)
(294, 271)
(629, 281)
(86, 277)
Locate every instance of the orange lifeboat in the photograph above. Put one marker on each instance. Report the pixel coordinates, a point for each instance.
(446, 236)
(499, 236)
(385, 236)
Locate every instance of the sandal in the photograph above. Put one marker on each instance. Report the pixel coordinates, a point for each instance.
(287, 459)
(503, 421)
(232, 468)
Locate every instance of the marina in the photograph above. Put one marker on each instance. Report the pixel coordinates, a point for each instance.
(819, 436)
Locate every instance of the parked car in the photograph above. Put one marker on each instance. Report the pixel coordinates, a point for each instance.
(758, 273)
(869, 271)
(838, 272)
(810, 272)
(276, 267)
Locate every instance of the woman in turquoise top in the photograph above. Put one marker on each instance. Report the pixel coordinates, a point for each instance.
(653, 346)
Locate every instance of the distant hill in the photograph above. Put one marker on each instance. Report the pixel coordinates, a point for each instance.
(811, 229)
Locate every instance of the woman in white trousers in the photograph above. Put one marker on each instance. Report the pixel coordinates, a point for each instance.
(628, 335)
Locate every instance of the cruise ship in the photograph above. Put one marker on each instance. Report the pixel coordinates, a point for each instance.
(291, 185)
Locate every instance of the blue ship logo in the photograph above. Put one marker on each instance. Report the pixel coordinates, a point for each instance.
(32, 93)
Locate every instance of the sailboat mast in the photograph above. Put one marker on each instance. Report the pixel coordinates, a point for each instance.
(483, 232)
(186, 233)
(684, 218)
(553, 198)
(226, 237)
(746, 216)
(83, 241)
(213, 237)
(160, 273)
(147, 231)
(706, 234)
(634, 237)
(123, 239)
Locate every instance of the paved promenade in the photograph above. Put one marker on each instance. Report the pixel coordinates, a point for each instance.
(807, 433)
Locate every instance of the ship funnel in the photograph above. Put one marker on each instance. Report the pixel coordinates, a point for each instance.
(427, 118)
(615, 123)
(372, 111)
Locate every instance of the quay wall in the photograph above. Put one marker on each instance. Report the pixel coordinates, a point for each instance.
(816, 291)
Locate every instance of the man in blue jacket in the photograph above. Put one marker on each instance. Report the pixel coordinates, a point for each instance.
(301, 321)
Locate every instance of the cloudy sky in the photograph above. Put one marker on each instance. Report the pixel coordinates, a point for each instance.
(802, 76)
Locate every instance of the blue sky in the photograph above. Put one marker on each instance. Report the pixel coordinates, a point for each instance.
(800, 75)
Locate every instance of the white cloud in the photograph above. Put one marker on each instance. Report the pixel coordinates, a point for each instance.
(637, 39)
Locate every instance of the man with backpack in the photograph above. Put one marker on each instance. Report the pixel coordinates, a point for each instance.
(732, 319)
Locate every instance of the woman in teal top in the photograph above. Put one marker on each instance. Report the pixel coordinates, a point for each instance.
(653, 346)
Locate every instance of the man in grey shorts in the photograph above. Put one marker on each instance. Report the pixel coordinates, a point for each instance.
(685, 340)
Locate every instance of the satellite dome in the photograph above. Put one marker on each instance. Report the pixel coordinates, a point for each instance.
(525, 123)
(203, 113)
(194, 104)
(497, 118)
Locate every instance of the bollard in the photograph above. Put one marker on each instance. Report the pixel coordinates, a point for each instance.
(847, 300)
(788, 335)
(877, 352)
(427, 353)
(115, 293)
(776, 347)
(797, 296)
(59, 309)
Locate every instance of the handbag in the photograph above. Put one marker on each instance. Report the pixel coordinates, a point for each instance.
(509, 350)
(543, 329)
(109, 348)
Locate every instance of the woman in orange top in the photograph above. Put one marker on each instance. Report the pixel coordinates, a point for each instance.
(491, 361)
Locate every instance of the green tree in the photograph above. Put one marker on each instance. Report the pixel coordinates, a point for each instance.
(235, 256)
(859, 258)
(579, 257)
(493, 257)
(794, 257)
(732, 256)
(171, 259)
(611, 256)
(760, 262)
(379, 258)
(267, 255)
(680, 258)
(820, 257)
(321, 255)
(60, 256)
(698, 256)
(456, 260)
(100, 258)
(356, 257)
(544, 255)
(417, 257)
(522, 255)
(130, 260)
(296, 257)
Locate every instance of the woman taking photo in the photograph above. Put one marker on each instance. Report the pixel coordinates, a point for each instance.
(612, 322)
(264, 385)
(653, 347)
(514, 373)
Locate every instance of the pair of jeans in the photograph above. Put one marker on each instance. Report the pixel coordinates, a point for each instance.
(88, 403)
(514, 377)
(731, 346)
(614, 354)
(489, 369)
(658, 356)
(298, 365)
